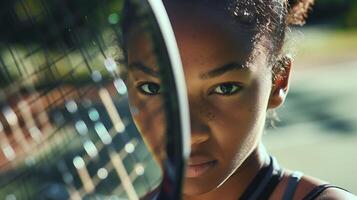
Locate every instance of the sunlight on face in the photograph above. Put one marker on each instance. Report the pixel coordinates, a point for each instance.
(228, 94)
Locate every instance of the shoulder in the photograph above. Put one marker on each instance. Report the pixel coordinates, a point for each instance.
(311, 188)
(336, 194)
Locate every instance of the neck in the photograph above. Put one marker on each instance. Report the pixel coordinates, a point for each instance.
(235, 186)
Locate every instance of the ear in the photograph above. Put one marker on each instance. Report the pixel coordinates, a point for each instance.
(281, 78)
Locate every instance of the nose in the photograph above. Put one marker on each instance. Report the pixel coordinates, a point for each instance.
(200, 131)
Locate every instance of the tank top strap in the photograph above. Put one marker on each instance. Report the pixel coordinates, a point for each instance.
(275, 179)
(293, 182)
(319, 190)
(264, 183)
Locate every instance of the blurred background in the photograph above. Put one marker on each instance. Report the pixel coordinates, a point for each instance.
(317, 130)
(65, 127)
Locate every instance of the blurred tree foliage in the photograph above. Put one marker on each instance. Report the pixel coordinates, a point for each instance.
(341, 13)
(351, 18)
(28, 20)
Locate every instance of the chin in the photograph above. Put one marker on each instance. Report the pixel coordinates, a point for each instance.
(200, 185)
(195, 187)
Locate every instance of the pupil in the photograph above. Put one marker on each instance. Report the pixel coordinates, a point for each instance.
(227, 88)
(154, 88)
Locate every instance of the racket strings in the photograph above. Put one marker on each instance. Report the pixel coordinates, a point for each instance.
(43, 85)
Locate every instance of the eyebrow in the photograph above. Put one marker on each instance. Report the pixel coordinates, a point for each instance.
(222, 70)
(211, 74)
(141, 67)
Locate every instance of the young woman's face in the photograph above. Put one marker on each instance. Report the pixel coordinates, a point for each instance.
(228, 91)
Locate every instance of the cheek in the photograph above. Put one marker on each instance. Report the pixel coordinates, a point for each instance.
(149, 118)
(239, 121)
(243, 110)
(150, 124)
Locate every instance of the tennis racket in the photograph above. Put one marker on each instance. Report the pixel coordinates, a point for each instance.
(67, 128)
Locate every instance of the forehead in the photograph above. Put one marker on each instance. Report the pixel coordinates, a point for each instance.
(215, 28)
(205, 36)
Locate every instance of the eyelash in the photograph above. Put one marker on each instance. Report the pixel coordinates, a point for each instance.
(238, 88)
(141, 90)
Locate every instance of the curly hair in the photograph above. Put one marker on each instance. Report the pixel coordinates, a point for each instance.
(298, 10)
(269, 18)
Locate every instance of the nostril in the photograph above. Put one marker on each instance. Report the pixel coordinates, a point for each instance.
(198, 138)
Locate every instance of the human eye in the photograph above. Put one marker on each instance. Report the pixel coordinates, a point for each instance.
(226, 89)
(149, 88)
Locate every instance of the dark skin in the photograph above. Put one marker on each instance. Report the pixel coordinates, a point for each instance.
(229, 93)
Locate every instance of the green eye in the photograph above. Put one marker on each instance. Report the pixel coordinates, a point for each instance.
(149, 88)
(227, 89)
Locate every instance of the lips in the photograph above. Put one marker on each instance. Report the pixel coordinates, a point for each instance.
(199, 165)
